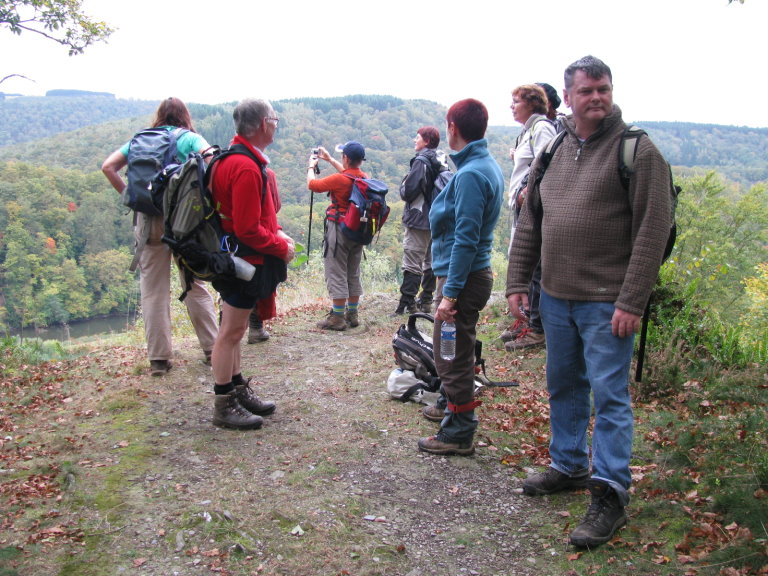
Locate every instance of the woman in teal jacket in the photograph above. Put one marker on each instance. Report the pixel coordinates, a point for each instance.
(462, 220)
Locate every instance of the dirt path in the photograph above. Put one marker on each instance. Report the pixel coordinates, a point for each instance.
(333, 484)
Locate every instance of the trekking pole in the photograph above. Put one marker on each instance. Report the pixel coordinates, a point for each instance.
(643, 338)
(309, 233)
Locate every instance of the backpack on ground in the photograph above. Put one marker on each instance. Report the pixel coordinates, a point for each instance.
(368, 210)
(193, 224)
(627, 153)
(414, 354)
(150, 151)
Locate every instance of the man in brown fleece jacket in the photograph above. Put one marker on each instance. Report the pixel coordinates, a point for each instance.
(600, 247)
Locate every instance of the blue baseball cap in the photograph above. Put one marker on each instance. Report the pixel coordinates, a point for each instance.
(353, 150)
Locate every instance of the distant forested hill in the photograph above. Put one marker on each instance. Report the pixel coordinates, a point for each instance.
(28, 118)
(65, 239)
(78, 132)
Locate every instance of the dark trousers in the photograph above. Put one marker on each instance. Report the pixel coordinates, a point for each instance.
(458, 376)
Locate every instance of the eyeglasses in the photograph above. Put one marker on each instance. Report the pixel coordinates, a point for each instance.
(275, 120)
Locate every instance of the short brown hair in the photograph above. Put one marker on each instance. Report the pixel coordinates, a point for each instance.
(173, 112)
(534, 96)
(430, 135)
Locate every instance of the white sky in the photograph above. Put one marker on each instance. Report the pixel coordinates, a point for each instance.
(672, 60)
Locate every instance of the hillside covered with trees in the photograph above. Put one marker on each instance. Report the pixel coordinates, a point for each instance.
(65, 244)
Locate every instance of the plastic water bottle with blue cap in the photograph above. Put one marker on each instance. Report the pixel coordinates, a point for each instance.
(448, 340)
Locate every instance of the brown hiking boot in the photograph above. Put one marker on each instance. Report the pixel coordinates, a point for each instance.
(352, 318)
(434, 446)
(528, 338)
(514, 330)
(248, 400)
(228, 413)
(257, 335)
(159, 367)
(333, 322)
(433, 413)
(551, 481)
(604, 517)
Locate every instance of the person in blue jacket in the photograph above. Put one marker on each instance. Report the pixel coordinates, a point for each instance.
(462, 220)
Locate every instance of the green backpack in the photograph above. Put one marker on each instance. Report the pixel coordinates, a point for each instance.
(192, 222)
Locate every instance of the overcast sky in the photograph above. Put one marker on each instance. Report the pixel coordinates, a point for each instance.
(672, 60)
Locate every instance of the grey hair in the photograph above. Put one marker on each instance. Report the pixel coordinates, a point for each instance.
(593, 67)
(249, 114)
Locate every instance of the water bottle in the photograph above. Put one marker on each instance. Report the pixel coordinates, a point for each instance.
(448, 340)
(243, 270)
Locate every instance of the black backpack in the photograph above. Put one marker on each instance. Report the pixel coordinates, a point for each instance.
(150, 152)
(441, 181)
(414, 351)
(367, 211)
(193, 224)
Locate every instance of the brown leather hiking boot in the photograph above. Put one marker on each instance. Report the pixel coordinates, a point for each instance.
(228, 413)
(433, 413)
(248, 400)
(257, 335)
(514, 330)
(551, 481)
(434, 446)
(333, 322)
(352, 318)
(528, 338)
(604, 517)
(159, 367)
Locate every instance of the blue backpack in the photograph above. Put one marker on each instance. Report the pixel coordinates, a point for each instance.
(150, 151)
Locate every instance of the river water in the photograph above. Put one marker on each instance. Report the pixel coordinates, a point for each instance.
(83, 329)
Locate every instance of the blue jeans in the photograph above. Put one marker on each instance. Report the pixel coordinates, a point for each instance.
(583, 356)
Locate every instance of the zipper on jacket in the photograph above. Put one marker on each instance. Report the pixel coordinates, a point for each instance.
(578, 150)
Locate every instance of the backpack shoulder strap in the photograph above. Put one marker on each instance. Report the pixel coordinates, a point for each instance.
(544, 158)
(244, 151)
(628, 152)
(533, 126)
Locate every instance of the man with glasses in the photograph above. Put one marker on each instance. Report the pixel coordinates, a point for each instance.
(248, 211)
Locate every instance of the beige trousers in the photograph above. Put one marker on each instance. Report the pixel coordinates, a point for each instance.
(155, 284)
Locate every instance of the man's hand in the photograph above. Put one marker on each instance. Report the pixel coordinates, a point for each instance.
(624, 324)
(517, 303)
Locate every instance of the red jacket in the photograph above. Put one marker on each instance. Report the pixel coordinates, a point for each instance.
(237, 187)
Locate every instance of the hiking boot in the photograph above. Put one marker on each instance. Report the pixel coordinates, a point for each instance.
(551, 481)
(257, 335)
(425, 306)
(528, 338)
(514, 330)
(229, 413)
(604, 517)
(333, 322)
(433, 413)
(352, 319)
(248, 400)
(159, 367)
(400, 310)
(208, 355)
(432, 445)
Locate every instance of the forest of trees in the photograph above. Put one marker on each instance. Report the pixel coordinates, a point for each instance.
(65, 239)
